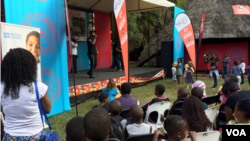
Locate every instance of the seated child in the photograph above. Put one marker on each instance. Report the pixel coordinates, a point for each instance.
(241, 114)
(97, 125)
(74, 130)
(177, 128)
(159, 91)
(104, 100)
(111, 90)
(202, 85)
(229, 77)
(115, 109)
(182, 94)
(198, 92)
(138, 127)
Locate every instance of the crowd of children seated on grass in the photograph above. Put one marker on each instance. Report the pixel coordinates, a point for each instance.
(182, 126)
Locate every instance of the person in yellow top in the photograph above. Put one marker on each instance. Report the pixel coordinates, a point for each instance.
(241, 114)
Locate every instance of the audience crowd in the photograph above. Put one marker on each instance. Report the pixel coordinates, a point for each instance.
(104, 121)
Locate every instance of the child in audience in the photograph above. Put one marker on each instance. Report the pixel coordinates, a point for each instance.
(182, 94)
(241, 114)
(225, 62)
(189, 77)
(229, 77)
(74, 130)
(97, 125)
(115, 109)
(159, 91)
(248, 72)
(173, 72)
(177, 128)
(104, 100)
(194, 113)
(185, 71)
(111, 90)
(237, 70)
(127, 100)
(243, 67)
(198, 92)
(178, 71)
(138, 127)
(201, 85)
(214, 72)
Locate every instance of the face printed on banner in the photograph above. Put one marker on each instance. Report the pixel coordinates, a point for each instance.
(33, 44)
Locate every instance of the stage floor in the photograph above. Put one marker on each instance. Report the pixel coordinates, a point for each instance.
(106, 73)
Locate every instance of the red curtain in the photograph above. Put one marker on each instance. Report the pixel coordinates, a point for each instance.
(103, 41)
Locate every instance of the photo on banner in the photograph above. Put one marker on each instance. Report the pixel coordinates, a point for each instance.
(78, 24)
(16, 36)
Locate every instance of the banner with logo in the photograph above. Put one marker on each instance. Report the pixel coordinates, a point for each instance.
(200, 34)
(78, 24)
(185, 29)
(16, 36)
(49, 16)
(178, 42)
(103, 40)
(241, 10)
(122, 25)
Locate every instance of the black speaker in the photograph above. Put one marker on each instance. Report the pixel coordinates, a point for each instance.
(167, 56)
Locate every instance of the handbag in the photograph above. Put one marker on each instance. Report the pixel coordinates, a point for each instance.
(50, 136)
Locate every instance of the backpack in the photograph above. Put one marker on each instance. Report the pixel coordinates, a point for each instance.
(117, 128)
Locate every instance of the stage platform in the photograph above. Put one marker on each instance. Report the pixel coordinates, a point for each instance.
(106, 73)
(87, 88)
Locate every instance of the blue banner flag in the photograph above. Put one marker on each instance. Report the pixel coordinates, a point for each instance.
(49, 16)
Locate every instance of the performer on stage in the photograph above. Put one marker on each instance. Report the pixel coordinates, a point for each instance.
(92, 52)
(74, 54)
(117, 56)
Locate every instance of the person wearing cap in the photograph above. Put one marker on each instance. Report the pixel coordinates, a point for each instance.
(74, 54)
(92, 52)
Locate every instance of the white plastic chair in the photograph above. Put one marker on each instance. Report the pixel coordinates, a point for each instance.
(208, 136)
(211, 113)
(160, 108)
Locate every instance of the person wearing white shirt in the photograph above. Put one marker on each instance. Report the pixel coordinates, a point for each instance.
(243, 66)
(18, 96)
(74, 46)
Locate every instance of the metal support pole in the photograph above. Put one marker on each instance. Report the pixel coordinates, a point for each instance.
(69, 36)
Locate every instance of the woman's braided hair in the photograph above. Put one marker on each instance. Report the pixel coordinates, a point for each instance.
(18, 67)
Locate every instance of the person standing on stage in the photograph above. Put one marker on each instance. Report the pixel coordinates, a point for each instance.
(74, 54)
(117, 57)
(92, 52)
(206, 63)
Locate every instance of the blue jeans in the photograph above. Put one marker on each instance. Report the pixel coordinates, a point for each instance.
(116, 62)
(224, 72)
(242, 79)
(215, 80)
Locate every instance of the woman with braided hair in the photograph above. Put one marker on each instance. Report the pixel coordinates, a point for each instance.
(194, 113)
(18, 96)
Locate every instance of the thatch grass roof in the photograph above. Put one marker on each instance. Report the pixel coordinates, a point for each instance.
(220, 21)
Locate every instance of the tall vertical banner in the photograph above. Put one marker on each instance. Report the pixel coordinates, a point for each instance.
(122, 25)
(200, 34)
(185, 29)
(16, 36)
(49, 16)
(103, 40)
(178, 42)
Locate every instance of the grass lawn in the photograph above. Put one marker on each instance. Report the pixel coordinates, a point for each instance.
(144, 94)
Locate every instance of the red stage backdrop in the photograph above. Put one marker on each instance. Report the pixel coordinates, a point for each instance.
(235, 51)
(103, 42)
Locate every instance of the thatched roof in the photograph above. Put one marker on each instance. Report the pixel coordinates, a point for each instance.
(220, 21)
